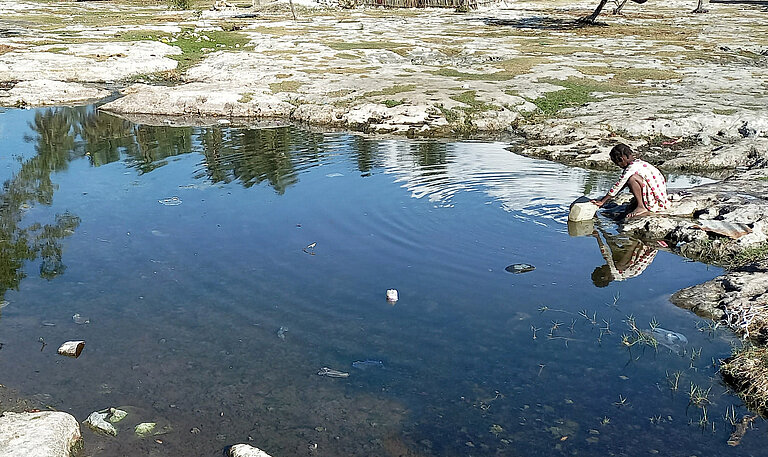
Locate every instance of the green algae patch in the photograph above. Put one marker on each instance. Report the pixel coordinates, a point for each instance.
(285, 86)
(575, 92)
(394, 90)
(462, 76)
(520, 65)
(194, 45)
(626, 75)
(469, 98)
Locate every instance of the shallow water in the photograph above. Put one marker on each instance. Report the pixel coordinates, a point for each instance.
(190, 253)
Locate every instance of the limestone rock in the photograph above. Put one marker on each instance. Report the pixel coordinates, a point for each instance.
(198, 99)
(97, 421)
(145, 429)
(41, 434)
(731, 294)
(72, 348)
(246, 450)
(46, 92)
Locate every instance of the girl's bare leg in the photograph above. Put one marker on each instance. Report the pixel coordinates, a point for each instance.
(635, 184)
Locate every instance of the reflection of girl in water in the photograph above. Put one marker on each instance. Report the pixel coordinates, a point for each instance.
(632, 260)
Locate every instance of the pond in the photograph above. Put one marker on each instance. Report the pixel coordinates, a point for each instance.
(213, 272)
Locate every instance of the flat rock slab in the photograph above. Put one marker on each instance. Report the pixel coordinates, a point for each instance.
(41, 92)
(41, 434)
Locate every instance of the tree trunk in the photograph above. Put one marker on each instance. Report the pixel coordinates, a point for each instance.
(700, 8)
(591, 18)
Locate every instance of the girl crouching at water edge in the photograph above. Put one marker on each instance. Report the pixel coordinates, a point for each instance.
(645, 182)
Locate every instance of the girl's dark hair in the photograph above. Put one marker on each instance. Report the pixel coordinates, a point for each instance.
(620, 150)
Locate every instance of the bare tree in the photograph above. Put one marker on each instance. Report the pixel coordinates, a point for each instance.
(700, 8)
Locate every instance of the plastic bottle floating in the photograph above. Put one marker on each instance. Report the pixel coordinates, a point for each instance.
(365, 364)
(518, 268)
(671, 340)
(172, 201)
(325, 371)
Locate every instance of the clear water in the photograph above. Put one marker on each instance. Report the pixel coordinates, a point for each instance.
(212, 315)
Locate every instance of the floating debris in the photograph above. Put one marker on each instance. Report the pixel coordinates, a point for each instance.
(80, 320)
(518, 268)
(281, 332)
(671, 340)
(325, 371)
(733, 230)
(365, 364)
(392, 295)
(310, 248)
(172, 201)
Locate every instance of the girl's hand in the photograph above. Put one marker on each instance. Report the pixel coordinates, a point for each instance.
(598, 203)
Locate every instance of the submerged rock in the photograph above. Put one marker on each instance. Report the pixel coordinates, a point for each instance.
(97, 422)
(116, 415)
(145, 429)
(518, 268)
(41, 434)
(246, 450)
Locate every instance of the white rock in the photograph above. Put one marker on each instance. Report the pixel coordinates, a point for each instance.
(72, 348)
(97, 421)
(46, 92)
(42, 434)
(246, 450)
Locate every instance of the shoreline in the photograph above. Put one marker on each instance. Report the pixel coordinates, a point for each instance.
(687, 92)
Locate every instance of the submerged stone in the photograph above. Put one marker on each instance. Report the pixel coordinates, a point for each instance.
(116, 415)
(145, 429)
(246, 450)
(97, 422)
(518, 268)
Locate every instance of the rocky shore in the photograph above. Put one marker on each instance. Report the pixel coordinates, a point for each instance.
(688, 92)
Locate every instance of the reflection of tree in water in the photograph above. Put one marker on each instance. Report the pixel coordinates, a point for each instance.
(257, 155)
(431, 155)
(366, 154)
(54, 138)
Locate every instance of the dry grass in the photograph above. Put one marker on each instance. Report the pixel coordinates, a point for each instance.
(746, 372)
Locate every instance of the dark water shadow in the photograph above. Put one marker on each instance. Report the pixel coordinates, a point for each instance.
(540, 23)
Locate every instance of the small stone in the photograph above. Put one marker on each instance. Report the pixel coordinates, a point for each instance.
(98, 423)
(246, 450)
(72, 348)
(116, 415)
(145, 429)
